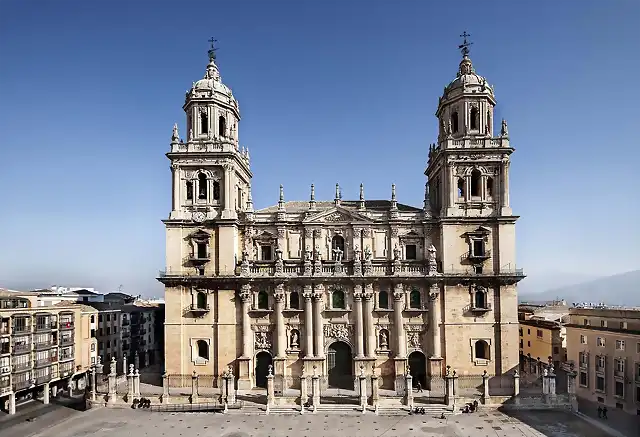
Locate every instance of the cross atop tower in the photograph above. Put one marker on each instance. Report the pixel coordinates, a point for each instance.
(212, 50)
(464, 47)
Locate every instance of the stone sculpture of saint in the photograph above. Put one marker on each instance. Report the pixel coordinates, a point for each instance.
(294, 339)
(384, 341)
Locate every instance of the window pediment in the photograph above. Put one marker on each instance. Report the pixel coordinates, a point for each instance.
(265, 237)
(337, 215)
(480, 232)
(199, 235)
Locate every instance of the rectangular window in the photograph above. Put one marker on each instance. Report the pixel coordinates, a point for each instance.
(603, 323)
(619, 389)
(108, 330)
(539, 333)
(108, 317)
(529, 331)
(521, 343)
(411, 251)
(265, 252)
(520, 332)
(619, 345)
(638, 348)
(100, 318)
(583, 358)
(583, 379)
(585, 322)
(600, 363)
(583, 339)
(528, 344)
(623, 325)
(600, 383)
(478, 248)
(600, 341)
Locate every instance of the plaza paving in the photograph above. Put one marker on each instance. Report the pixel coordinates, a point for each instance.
(126, 422)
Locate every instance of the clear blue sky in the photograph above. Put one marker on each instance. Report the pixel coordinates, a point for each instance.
(330, 91)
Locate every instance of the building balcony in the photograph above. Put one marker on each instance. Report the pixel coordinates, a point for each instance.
(45, 361)
(44, 345)
(584, 366)
(42, 379)
(126, 322)
(20, 329)
(480, 309)
(66, 357)
(475, 257)
(66, 325)
(21, 385)
(66, 341)
(618, 373)
(21, 348)
(197, 258)
(21, 367)
(199, 310)
(5, 350)
(4, 330)
(46, 327)
(333, 269)
(5, 389)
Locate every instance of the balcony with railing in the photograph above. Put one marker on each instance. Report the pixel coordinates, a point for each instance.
(325, 269)
(21, 367)
(5, 387)
(21, 385)
(44, 345)
(43, 378)
(480, 308)
(197, 258)
(21, 348)
(20, 329)
(66, 341)
(43, 362)
(45, 327)
(199, 309)
(65, 325)
(476, 256)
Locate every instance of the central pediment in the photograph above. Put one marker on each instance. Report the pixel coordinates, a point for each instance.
(337, 215)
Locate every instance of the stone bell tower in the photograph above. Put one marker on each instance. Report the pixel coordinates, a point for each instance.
(468, 195)
(211, 173)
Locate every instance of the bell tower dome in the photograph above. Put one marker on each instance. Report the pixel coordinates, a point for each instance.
(211, 172)
(468, 169)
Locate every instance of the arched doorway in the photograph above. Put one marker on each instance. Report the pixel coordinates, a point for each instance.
(418, 368)
(340, 365)
(263, 361)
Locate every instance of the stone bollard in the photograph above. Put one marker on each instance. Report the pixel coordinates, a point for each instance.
(450, 389)
(304, 393)
(486, 397)
(228, 391)
(194, 388)
(94, 382)
(409, 391)
(131, 384)
(375, 390)
(12, 403)
(270, 389)
(165, 388)
(516, 387)
(363, 390)
(315, 390)
(571, 388)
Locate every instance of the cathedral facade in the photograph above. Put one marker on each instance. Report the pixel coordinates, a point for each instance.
(340, 287)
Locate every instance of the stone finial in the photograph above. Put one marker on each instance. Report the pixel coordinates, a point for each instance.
(195, 374)
(312, 199)
(393, 192)
(131, 369)
(504, 129)
(361, 204)
(249, 199)
(484, 374)
(361, 369)
(175, 137)
(315, 369)
(338, 195)
(137, 372)
(270, 370)
(373, 370)
(516, 374)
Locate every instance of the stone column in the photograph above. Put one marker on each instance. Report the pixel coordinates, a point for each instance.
(368, 316)
(244, 361)
(124, 364)
(504, 201)
(516, 383)
(46, 393)
(175, 198)
(357, 297)
(363, 389)
(449, 396)
(12, 403)
(398, 301)
(486, 397)
(315, 390)
(281, 333)
(545, 382)
(571, 388)
(317, 316)
(165, 388)
(434, 325)
(194, 388)
(308, 321)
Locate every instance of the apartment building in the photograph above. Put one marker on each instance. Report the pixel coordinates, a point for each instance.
(604, 345)
(42, 347)
(132, 333)
(541, 340)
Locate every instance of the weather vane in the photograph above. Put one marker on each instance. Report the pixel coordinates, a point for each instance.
(212, 50)
(464, 47)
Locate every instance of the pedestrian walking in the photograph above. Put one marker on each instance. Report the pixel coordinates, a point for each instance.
(604, 413)
(599, 411)
(419, 387)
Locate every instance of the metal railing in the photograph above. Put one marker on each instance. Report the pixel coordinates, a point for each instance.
(44, 345)
(19, 385)
(21, 366)
(19, 348)
(66, 341)
(66, 325)
(20, 329)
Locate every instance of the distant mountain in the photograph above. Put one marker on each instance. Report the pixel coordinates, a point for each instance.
(620, 289)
